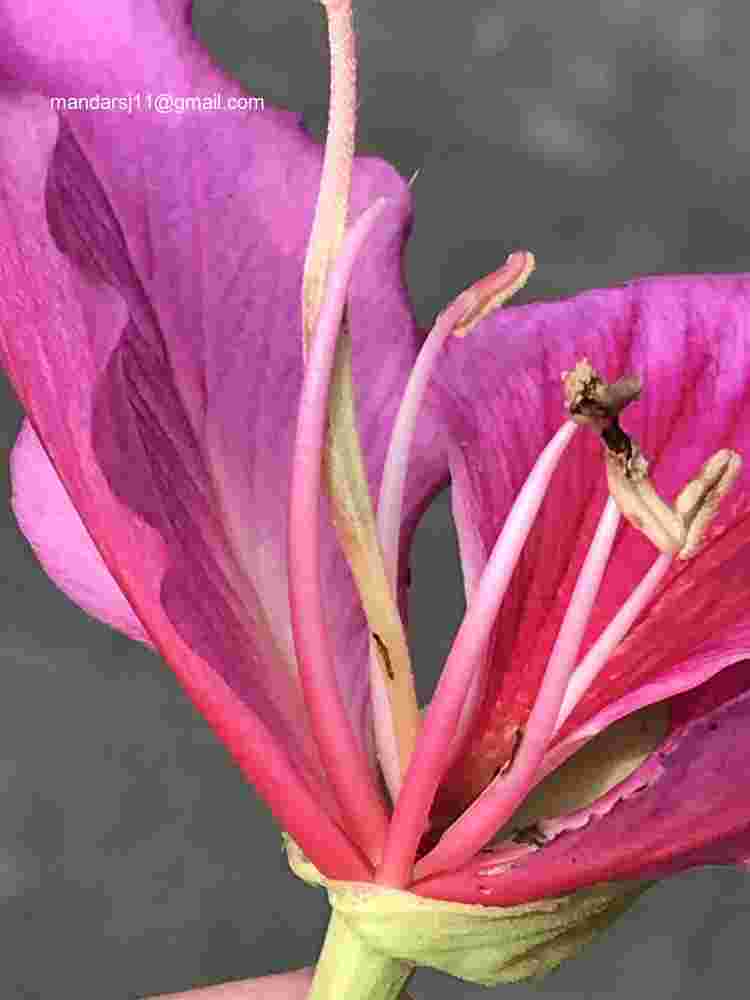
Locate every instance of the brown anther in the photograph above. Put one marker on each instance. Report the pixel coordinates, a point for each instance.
(698, 502)
(591, 400)
(678, 529)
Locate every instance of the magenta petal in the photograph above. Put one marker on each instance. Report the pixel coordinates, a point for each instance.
(46, 46)
(200, 221)
(196, 224)
(60, 541)
(691, 810)
(500, 397)
(61, 341)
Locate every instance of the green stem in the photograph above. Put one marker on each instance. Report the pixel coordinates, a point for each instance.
(349, 967)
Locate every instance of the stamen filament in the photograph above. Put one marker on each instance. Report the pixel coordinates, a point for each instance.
(433, 748)
(466, 309)
(490, 291)
(390, 500)
(342, 754)
(501, 798)
(590, 666)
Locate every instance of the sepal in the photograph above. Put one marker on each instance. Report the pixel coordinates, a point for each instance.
(486, 945)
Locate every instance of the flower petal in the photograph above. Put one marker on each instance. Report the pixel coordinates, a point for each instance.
(59, 538)
(501, 400)
(687, 809)
(200, 221)
(61, 340)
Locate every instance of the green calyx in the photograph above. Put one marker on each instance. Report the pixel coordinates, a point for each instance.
(397, 931)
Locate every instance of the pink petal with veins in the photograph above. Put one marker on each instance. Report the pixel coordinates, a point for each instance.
(500, 398)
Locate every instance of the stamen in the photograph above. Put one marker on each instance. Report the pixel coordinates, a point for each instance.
(591, 665)
(434, 745)
(341, 753)
(590, 400)
(698, 502)
(458, 319)
(501, 798)
(678, 529)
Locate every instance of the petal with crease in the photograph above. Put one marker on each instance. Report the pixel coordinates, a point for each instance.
(101, 397)
(200, 221)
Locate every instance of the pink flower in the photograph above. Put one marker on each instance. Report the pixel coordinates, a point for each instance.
(170, 480)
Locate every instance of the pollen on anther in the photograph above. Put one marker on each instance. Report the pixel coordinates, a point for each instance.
(591, 400)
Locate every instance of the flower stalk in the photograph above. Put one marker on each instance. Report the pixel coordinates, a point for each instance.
(350, 966)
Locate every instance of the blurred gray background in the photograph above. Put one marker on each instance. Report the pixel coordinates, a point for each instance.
(612, 139)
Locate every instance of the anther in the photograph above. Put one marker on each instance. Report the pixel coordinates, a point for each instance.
(698, 502)
(590, 400)
(678, 529)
